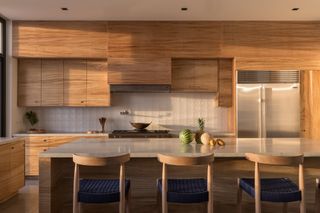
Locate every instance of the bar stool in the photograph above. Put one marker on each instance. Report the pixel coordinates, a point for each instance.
(100, 190)
(197, 190)
(273, 189)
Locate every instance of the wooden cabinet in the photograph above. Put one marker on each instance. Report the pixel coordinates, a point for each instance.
(309, 104)
(69, 82)
(11, 169)
(34, 145)
(194, 75)
(226, 83)
(52, 82)
(29, 82)
(75, 83)
(37, 144)
(67, 39)
(139, 71)
(98, 89)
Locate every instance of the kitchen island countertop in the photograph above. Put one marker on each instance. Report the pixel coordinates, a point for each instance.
(149, 148)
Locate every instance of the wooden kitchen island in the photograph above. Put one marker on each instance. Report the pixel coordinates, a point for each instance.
(56, 171)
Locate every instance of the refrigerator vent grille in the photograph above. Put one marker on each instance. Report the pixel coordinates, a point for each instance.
(254, 77)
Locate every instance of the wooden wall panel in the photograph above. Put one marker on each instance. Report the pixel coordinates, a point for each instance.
(164, 39)
(282, 42)
(52, 83)
(29, 82)
(139, 71)
(98, 89)
(59, 39)
(271, 39)
(75, 82)
(226, 82)
(194, 75)
(310, 99)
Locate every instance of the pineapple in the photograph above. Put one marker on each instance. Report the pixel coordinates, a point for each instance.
(200, 131)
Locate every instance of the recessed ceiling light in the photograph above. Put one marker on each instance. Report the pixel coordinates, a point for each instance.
(184, 8)
(295, 9)
(64, 8)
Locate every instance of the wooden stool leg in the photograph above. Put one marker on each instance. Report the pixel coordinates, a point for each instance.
(164, 189)
(239, 198)
(285, 208)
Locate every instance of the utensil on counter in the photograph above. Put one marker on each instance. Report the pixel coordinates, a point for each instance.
(102, 121)
(140, 126)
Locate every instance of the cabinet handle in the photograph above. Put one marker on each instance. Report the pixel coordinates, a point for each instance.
(12, 147)
(82, 102)
(44, 150)
(45, 140)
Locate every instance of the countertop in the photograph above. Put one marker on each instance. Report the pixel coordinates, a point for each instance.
(8, 140)
(81, 134)
(149, 148)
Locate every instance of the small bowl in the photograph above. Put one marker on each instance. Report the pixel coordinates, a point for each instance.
(140, 126)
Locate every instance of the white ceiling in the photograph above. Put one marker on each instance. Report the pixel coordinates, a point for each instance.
(160, 9)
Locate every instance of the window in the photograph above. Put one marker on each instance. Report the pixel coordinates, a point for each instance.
(2, 77)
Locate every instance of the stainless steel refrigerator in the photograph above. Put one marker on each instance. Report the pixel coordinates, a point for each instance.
(268, 104)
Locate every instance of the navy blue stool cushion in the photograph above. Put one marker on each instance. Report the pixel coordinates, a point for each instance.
(273, 189)
(186, 190)
(100, 190)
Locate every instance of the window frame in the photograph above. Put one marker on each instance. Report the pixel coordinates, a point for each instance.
(3, 79)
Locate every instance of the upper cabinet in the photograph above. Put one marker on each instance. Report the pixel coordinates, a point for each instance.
(194, 75)
(57, 82)
(75, 83)
(52, 82)
(98, 89)
(60, 39)
(29, 82)
(139, 71)
(226, 82)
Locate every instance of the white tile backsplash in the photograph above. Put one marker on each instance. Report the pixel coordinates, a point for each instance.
(172, 111)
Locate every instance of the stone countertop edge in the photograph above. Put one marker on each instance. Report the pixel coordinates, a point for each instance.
(60, 134)
(149, 148)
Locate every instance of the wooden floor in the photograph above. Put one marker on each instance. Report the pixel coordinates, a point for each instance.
(26, 201)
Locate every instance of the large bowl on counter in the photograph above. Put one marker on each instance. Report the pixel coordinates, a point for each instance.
(140, 126)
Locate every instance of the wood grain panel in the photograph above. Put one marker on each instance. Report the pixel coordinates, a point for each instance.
(194, 75)
(52, 82)
(34, 145)
(11, 169)
(17, 165)
(29, 82)
(310, 99)
(271, 39)
(139, 71)
(60, 39)
(75, 83)
(5, 175)
(98, 89)
(226, 82)
(163, 39)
